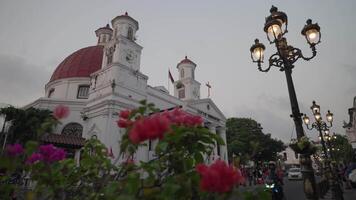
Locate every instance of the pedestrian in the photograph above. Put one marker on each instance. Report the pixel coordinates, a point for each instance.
(250, 176)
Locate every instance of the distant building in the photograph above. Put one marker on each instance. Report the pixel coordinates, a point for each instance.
(290, 159)
(350, 127)
(99, 81)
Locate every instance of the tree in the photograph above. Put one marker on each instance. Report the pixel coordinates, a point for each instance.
(341, 149)
(26, 124)
(246, 139)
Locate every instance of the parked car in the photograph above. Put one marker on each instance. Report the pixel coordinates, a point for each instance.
(295, 174)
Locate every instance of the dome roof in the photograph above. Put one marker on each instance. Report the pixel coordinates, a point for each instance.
(81, 63)
(186, 61)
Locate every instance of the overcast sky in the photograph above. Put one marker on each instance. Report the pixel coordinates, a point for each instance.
(35, 36)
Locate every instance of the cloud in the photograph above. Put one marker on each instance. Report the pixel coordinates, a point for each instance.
(20, 81)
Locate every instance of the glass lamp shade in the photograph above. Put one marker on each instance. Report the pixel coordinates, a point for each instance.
(334, 136)
(273, 30)
(315, 108)
(329, 116)
(278, 18)
(257, 55)
(326, 132)
(311, 32)
(257, 51)
(306, 119)
(317, 116)
(313, 36)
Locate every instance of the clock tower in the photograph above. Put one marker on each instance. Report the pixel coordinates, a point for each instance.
(120, 69)
(186, 87)
(123, 49)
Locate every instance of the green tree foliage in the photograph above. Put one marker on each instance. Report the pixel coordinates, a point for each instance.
(26, 124)
(342, 150)
(246, 139)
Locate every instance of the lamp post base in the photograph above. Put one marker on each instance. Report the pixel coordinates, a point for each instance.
(309, 183)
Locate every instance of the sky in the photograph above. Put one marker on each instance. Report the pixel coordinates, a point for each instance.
(36, 35)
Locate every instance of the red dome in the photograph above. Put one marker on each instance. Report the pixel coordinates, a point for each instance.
(80, 63)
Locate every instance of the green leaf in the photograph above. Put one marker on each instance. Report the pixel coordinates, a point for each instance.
(199, 157)
(31, 146)
(162, 146)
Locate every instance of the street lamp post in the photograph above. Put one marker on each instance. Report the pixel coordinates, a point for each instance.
(323, 127)
(276, 27)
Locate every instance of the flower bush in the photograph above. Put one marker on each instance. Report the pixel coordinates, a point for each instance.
(14, 150)
(303, 146)
(179, 169)
(217, 177)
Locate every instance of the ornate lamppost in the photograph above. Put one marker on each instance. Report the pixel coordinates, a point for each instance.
(276, 27)
(323, 127)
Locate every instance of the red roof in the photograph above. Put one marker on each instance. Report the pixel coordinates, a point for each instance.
(186, 60)
(81, 63)
(63, 140)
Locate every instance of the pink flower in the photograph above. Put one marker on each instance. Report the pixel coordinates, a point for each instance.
(151, 127)
(156, 125)
(125, 114)
(14, 150)
(34, 158)
(61, 112)
(51, 154)
(124, 123)
(218, 177)
(182, 118)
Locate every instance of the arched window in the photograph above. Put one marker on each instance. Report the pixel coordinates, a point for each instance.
(130, 33)
(181, 93)
(182, 73)
(73, 129)
(50, 93)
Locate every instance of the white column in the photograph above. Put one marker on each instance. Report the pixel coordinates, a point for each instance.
(214, 154)
(223, 148)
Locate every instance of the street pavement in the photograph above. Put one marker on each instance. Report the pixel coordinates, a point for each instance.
(294, 191)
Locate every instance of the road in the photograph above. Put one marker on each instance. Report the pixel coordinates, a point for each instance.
(294, 191)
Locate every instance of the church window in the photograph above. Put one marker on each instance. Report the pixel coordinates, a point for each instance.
(50, 93)
(130, 34)
(150, 145)
(109, 54)
(181, 93)
(182, 73)
(218, 149)
(83, 92)
(73, 129)
(104, 38)
(193, 75)
(109, 59)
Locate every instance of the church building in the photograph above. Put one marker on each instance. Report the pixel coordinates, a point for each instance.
(97, 82)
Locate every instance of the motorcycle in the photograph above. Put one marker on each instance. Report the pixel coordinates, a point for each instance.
(275, 189)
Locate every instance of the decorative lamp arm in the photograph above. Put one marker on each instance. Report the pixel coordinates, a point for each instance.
(311, 57)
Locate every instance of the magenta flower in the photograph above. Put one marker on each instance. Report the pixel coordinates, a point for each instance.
(51, 154)
(34, 158)
(61, 112)
(14, 150)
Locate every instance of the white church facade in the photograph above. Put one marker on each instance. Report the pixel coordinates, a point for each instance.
(350, 127)
(97, 82)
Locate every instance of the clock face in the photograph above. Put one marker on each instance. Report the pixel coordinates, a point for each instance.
(130, 56)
